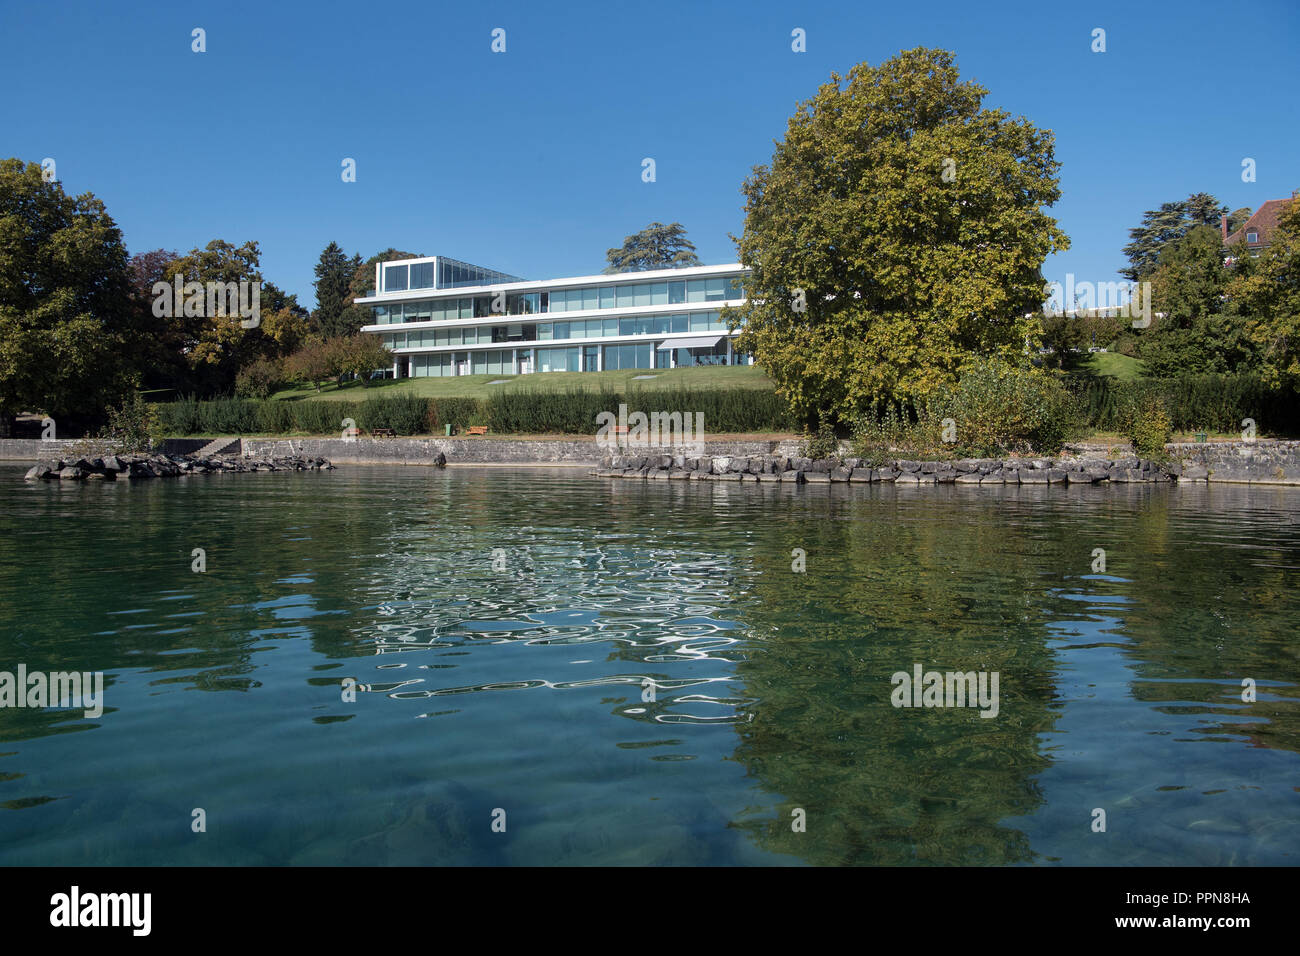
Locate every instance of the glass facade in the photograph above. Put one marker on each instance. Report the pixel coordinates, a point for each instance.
(441, 273)
(512, 345)
(573, 329)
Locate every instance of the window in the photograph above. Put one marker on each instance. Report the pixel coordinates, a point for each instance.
(695, 289)
(607, 297)
(681, 323)
(1252, 237)
(422, 275)
(395, 278)
(676, 293)
(715, 289)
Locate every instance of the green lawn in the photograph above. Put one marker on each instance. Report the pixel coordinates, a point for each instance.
(476, 386)
(1112, 364)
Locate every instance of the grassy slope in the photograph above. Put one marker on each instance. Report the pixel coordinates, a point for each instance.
(1112, 364)
(476, 386)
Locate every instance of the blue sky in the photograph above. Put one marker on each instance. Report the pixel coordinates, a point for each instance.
(530, 161)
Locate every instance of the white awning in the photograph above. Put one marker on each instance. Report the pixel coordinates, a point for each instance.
(701, 343)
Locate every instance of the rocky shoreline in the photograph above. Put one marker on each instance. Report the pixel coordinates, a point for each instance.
(965, 471)
(138, 467)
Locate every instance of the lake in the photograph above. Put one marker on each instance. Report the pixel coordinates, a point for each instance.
(552, 668)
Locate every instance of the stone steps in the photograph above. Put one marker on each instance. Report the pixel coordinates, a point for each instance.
(219, 446)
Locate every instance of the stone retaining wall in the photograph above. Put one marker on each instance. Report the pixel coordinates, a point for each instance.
(1257, 463)
(966, 471)
(465, 451)
(34, 449)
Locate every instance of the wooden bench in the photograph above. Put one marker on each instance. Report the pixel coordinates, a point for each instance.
(383, 433)
(476, 430)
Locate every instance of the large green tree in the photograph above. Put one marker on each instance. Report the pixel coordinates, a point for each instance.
(1166, 225)
(70, 338)
(898, 232)
(1195, 332)
(334, 274)
(1265, 291)
(655, 247)
(217, 346)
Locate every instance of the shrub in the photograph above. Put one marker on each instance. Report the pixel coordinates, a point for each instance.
(133, 426)
(1149, 428)
(998, 407)
(917, 428)
(824, 444)
(258, 379)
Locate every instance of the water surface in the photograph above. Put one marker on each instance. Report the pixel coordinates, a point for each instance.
(634, 674)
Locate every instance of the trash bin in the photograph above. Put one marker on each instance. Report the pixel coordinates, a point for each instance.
(449, 429)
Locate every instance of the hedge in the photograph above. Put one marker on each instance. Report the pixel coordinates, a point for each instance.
(1212, 402)
(523, 412)
(406, 415)
(575, 411)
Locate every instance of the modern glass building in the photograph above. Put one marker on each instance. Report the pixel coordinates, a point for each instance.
(441, 316)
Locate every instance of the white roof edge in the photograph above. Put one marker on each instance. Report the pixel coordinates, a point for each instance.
(616, 278)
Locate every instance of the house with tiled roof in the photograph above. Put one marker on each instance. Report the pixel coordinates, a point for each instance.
(1257, 231)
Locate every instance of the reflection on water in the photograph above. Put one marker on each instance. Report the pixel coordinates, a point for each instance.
(634, 673)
